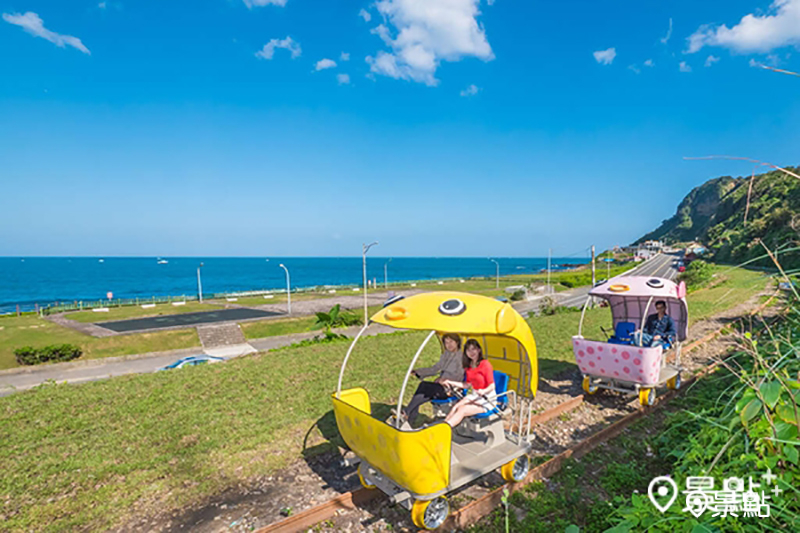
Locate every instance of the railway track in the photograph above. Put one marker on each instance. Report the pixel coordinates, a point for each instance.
(472, 512)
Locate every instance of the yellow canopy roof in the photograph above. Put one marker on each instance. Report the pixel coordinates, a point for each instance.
(471, 315)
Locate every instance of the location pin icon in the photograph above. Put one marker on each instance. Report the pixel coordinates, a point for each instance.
(662, 486)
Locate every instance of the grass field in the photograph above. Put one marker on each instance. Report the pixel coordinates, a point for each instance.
(739, 285)
(135, 311)
(16, 332)
(88, 456)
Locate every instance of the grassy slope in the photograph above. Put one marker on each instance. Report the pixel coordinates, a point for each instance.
(33, 331)
(87, 456)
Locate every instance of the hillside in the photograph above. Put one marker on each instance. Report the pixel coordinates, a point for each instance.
(713, 214)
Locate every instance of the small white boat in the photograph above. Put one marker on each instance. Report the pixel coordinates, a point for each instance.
(162, 261)
(101, 260)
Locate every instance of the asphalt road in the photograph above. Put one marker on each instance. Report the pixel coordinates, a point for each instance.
(185, 319)
(660, 266)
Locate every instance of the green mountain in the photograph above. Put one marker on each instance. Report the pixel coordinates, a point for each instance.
(714, 214)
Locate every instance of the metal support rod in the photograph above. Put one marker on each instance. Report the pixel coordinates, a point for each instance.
(583, 313)
(408, 374)
(386, 274)
(346, 357)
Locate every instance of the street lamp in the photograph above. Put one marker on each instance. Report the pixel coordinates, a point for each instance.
(497, 276)
(288, 290)
(385, 276)
(364, 249)
(199, 284)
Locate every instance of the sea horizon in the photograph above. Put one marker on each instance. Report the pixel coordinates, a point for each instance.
(28, 281)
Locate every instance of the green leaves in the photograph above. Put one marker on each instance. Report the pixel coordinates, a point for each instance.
(787, 413)
(750, 410)
(771, 391)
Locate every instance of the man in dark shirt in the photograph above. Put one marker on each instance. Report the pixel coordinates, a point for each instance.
(659, 327)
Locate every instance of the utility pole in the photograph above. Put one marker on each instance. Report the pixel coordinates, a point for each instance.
(549, 254)
(199, 285)
(497, 272)
(364, 249)
(288, 290)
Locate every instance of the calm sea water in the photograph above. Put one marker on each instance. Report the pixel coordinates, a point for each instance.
(44, 280)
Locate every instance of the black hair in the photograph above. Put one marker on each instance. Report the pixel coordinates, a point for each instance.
(661, 302)
(467, 362)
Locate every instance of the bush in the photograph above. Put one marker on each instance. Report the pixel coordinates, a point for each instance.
(518, 295)
(697, 274)
(28, 355)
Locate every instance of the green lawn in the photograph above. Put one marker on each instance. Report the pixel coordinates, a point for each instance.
(82, 457)
(16, 332)
(739, 285)
(135, 311)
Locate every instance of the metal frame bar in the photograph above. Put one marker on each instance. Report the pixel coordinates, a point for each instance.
(583, 313)
(346, 357)
(408, 374)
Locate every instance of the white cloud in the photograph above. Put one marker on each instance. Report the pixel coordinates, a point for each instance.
(260, 3)
(343, 79)
(649, 63)
(364, 14)
(427, 33)
(344, 56)
(471, 90)
(288, 43)
(635, 69)
(754, 33)
(605, 57)
(668, 36)
(32, 24)
(322, 64)
(684, 67)
(710, 60)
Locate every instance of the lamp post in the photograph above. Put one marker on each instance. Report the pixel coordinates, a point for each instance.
(497, 275)
(199, 284)
(364, 249)
(288, 290)
(385, 274)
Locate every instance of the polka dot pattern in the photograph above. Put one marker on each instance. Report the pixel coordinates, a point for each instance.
(634, 364)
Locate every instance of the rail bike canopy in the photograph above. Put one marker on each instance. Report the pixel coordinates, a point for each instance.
(632, 298)
(501, 331)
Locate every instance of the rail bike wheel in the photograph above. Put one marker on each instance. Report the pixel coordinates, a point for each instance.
(430, 514)
(516, 470)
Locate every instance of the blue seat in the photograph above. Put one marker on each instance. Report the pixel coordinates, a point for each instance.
(623, 333)
(500, 387)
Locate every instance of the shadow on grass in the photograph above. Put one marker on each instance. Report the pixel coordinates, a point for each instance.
(326, 458)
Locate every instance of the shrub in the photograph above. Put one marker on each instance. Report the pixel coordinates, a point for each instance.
(697, 274)
(518, 295)
(27, 355)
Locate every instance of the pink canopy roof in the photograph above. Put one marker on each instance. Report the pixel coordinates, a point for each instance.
(629, 296)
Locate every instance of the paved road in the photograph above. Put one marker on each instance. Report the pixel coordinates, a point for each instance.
(97, 369)
(660, 266)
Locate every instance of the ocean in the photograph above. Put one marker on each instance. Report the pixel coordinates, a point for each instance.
(27, 281)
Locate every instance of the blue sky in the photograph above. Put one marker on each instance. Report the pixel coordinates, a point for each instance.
(450, 127)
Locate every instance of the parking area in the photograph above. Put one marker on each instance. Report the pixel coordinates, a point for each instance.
(187, 319)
